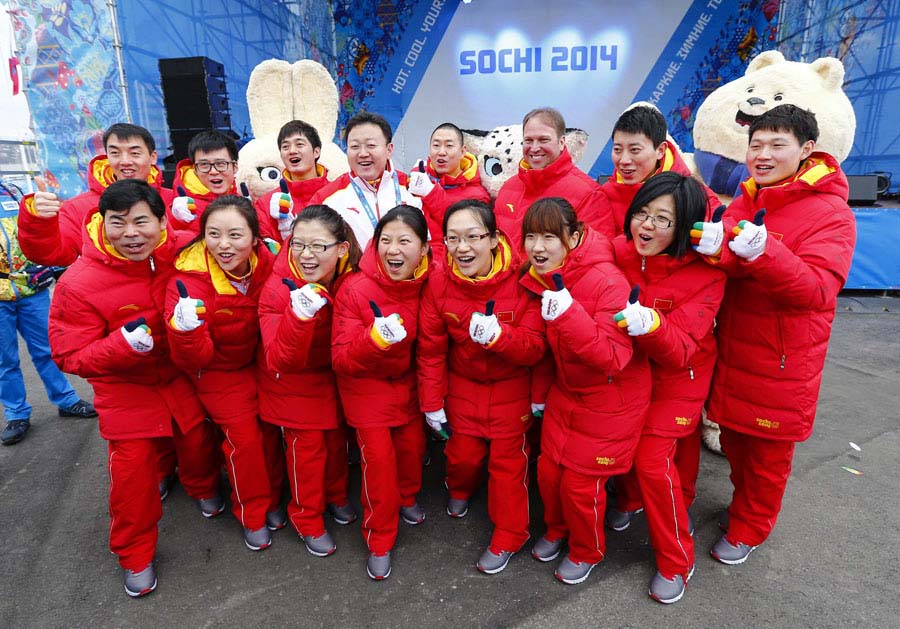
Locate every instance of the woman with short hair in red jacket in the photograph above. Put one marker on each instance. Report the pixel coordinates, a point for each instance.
(479, 332)
(600, 392)
(297, 387)
(374, 331)
(211, 310)
(672, 322)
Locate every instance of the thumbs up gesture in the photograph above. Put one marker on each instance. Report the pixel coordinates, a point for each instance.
(706, 238)
(638, 319)
(281, 208)
(484, 329)
(555, 302)
(187, 313)
(750, 238)
(420, 184)
(138, 335)
(305, 301)
(245, 191)
(386, 330)
(184, 208)
(46, 204)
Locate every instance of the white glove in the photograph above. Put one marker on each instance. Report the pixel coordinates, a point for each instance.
(436, 419)
(186, 315)
(305, 301)
(484, 329)
(706, 238)
(386, 330)
(184, 208)
(537, 409)
(638, 319)
(420, 184)
(138, 335)
(554, 303)
(750, 238)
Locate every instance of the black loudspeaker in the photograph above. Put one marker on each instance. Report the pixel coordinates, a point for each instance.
(863, 189)
(195, 97)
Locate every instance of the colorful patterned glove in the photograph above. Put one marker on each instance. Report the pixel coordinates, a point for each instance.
(187, 314)
(706, 238)
(305, 301)
(420, 184)
(485, 329)
(138, 335)
(388, 330)
(555, 302)
(437, 421)
(750, 238)
(639, 319)
(537, 409)
(184, 208)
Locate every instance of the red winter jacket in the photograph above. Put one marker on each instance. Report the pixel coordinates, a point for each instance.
(297, 387)
(58, 241)
(563, 179)
(619, 195)
(486, 388)
(776, 317)
(447, 191)
(227, 340)
(301, 193)
(596, 404)
(377, 386)
(136, 394)
(682, 351)
(186, 178)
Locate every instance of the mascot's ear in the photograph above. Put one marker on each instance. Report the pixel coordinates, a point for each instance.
(315, 97)
(831, 70)
(576, 140)
(765, 59)
(270, 96)
(474, 140)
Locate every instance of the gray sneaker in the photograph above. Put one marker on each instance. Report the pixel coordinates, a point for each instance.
(665, 590)
(211, 507)
(491, 563)
(276, 520)
(546, 550)
(413, 515)
(140, 583)
(260, 539)
(730, 554)
(343, 514)
(691, 526)
(457, 507)
(15, 431)
(379, 566)
(573, 572)
(320, 546)
(620, 520)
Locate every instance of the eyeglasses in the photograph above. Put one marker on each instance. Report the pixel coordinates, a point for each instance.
(472, 239)
(221, 166)
(316, 247)
(658, 221)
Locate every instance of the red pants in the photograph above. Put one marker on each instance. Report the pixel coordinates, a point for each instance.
(667, 517)
(230, 399)
(391, 460)
(198, 460)
(759, 472)
(134, 506)
(273, 450)
(574, 506)
(687, 460)
(317, 470)
(507, 465)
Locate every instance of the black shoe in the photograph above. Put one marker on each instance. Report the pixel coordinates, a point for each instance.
(79, 409)
(15, 431)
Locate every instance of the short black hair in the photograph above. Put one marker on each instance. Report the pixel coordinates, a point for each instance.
(690, 206)
(298, 127)
(125, 130)
(209, 141)
(645, 120)
(124, 194)
(480, 209)
(798, 121)
(365, 117)
(407, 214)
(449, 126)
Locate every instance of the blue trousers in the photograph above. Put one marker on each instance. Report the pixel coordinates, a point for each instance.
(29, 316)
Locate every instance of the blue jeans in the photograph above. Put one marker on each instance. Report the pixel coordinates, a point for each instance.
(30, 317)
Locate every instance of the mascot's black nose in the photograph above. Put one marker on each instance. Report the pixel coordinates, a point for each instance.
(753, 100)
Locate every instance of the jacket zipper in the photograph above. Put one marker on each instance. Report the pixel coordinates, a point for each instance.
(643, 263)
(691, 371)
(781, 341)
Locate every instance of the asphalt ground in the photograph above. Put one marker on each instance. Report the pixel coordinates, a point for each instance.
(830, 562)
